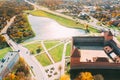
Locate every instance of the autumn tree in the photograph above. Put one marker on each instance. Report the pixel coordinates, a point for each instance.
(84, 76)
(65, 77)
(98, 77)
(60, 68)
(2, 42)
(10, 76)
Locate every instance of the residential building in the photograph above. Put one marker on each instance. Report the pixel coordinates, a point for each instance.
(7, 63)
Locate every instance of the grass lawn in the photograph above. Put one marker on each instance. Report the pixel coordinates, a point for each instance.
(4, 51)
(114, 27)
(49, 44)
(68, 49)
(118, 37)
(43, 59)
(56, 53)
(34, 46)
(61, 20)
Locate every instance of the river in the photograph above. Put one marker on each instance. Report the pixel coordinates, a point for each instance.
(49, 29)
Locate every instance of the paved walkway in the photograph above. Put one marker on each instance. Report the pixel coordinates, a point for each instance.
(54, 71)
(63, 58)
(46, 51)
(50, 48)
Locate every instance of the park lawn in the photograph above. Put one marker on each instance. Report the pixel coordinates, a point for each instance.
(68, 49)
(34, 46)
(57, 52)
(118, 37)
(63, 21)
(49, 44)
(43, 59)
(4, 51)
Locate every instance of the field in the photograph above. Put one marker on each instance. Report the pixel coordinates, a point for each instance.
(4, 51)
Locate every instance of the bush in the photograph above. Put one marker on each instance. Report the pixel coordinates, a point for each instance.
(98, 77)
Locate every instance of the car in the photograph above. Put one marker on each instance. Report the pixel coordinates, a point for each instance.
(31, 67)
(18, 50)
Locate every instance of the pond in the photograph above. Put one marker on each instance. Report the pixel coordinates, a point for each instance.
(49, 29)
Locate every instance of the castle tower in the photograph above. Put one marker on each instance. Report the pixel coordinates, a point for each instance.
(75, 56)
(108, 36)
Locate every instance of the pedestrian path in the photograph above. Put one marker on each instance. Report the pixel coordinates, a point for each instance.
(56, 70)
(43, 45)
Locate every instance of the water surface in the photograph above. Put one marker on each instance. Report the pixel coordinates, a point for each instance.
(49, 29)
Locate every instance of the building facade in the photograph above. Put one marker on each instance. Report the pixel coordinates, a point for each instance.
(7, 63)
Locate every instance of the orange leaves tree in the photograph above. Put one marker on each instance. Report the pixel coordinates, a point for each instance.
(85, 76)
(2, 42)
(65, 77)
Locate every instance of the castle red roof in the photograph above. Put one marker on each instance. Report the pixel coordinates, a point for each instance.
(110, 33)
(75, 53)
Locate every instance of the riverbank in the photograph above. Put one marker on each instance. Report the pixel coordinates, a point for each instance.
(61, 20)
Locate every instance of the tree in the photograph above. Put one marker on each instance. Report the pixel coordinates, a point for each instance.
(2, 39)
(10, 76)
(98, 77)
(21, 60)
(60, 68)
(3, 42)
(24, 69)
(84, 76)
(65, 77)
(38, 49)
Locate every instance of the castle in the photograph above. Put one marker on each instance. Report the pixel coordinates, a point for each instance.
(97, 54)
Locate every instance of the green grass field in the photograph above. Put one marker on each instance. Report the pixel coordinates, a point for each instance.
(56, 53)
(34, 46)
(43, 59)
(49, 44)
(61, 20)
(4, 51)
(68, 49)
(118, 37)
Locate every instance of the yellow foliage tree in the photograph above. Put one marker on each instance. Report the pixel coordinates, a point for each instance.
(65, 77)
(85, 76)
(2, 38)
(12, 76)
(21, 60)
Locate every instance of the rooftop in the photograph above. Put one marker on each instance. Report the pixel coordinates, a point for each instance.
(90, 53)
(6, 60)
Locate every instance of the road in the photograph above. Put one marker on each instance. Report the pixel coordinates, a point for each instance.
(4, 30)
(93, 24)
(38, 71)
